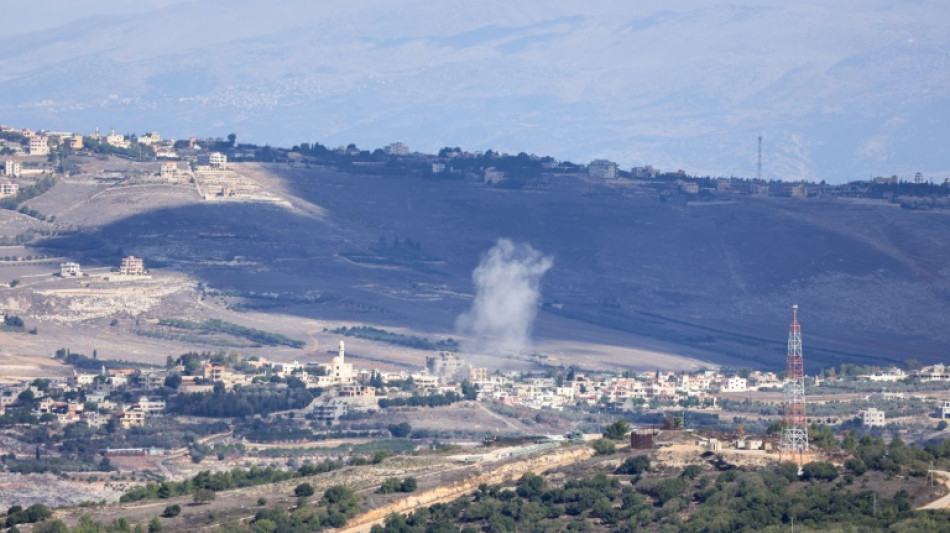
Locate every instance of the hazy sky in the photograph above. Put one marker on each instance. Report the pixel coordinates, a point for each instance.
(32, 16)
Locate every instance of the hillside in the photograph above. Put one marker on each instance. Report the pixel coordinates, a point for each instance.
(638, 281)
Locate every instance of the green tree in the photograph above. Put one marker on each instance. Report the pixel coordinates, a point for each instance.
(172, 511)
(303, 490)
(155, 525)
(617, 431)
(400, 430)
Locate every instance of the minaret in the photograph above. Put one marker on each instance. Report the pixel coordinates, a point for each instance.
(795, 431)
(341, 352)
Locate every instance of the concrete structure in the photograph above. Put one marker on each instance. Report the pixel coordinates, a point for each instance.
(13, 169)
(872, 417)
(132, 266)
(603, 169)
(39, 145)
(493, 175)
(445, 365)
(798, 191)
(8, 189)
(218, 161)
(644, 172)
(689, 187)
(438, 168)
(170, 171)
(117, 140)
(945, 410)
(735, 384)
(340, 371)
(69, 270)
(397, 148)
(150, 138)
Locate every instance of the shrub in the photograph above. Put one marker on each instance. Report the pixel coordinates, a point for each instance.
(604, 447)
(617, 431)
(634, 465)
(203, 496)
(303, 490)
(820, 471)
(172, 511)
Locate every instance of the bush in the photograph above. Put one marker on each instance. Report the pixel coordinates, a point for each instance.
(203, 496)
(172, 511)
(261, 501)
(819, 471)
(604, 447)
(942, 425)
(303, 490)
(634, 465)
(401, 430)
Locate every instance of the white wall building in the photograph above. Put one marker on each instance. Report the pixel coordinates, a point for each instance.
(69, 270)
(13, 169)
(602, 168)
(873, 418)
(39, 145)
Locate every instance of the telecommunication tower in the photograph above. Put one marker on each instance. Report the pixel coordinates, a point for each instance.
(795, 430)
(758, 168)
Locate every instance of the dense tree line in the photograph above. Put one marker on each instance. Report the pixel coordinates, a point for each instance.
(214, 325)
(433, 400)
(219, 481)
(241, 403)
(381, 335)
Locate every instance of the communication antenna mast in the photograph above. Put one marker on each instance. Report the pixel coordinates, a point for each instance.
(758, 168)
(795, 431)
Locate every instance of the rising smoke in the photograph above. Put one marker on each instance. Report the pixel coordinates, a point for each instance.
(507, 283)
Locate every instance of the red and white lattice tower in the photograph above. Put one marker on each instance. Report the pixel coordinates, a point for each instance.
(795, 431)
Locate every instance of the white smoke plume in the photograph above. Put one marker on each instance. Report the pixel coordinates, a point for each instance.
(507, 281)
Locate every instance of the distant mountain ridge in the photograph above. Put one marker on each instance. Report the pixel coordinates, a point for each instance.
(839, 90)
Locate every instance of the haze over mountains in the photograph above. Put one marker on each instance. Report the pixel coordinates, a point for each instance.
(839, 90)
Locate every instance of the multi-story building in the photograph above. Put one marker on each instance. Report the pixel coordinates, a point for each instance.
(39, 145)
(218, 161)
(872, 417)
(170, 171)
(132, 266)
(13, 169)
(9, 189)
(644, 172)
(397, 148)
(603, 169)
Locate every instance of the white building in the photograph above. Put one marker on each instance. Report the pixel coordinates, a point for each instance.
(150, 138)
(39, 145)
(13, 169)
(397, 148)
(217, 160)
(601, 168)
(340, 370)
(873, 417)
(69, 270)
(644, 172)
(117, 140)
(735, 384)
(9, 189)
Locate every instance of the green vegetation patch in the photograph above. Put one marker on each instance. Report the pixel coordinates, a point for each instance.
(411, 341)
(213, 326)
